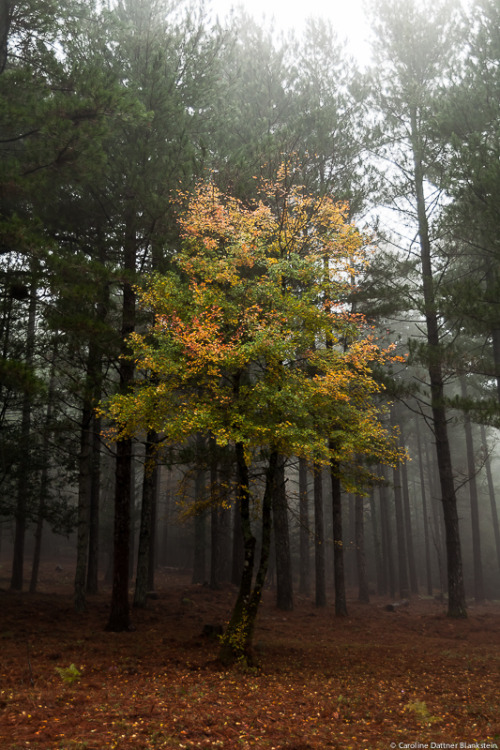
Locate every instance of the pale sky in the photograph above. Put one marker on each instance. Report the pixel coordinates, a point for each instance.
(347, 16)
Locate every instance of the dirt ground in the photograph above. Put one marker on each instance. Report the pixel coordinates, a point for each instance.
(411, 678)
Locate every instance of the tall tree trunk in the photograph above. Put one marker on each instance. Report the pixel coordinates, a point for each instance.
(428, 566)
(148, 493)
(101, 311)
(363, 589)
(474, 505)
(95, 491)
(132, 511)
(153, 530)
(304, 554)
(338, 548)
(119, 618)
(6, 8)
(85, 482)
(284, 587)
(16, 582)
(319, 538)
(437, 522)
(456, 590)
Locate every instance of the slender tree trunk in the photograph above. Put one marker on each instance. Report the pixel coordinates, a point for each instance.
(238, 553)
(338, 548)
(237, 640)
(132, 511)
(101, 311)
(6, 7)
(95, 491)
(153, 531)
(84, 486)
(428, 566)
(456, 590)
(284, 584)
(319, 538)
(119, 618)
(474, 505)
(148, 492)
(304, 553)
(363, 589)
(16, 582)
(437, 522)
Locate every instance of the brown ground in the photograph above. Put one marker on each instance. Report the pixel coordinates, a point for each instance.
(375, 678)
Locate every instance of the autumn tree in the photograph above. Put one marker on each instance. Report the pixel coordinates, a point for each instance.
(236, 352)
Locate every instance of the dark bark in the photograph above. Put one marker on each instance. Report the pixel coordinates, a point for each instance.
(237, 551)
(236, 643)
(95, 491)
(437, 522)
(338, 546)
(319, 538)
(6, 7)
(363, 589)
(149, 484)
(425, 512)
(95, 383)
(456, 590)
(132, 512)
(119, 618)
(304, 553)
(284, 583)
(153, 535)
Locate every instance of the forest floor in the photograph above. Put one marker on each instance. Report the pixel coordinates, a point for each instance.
(411, 678)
